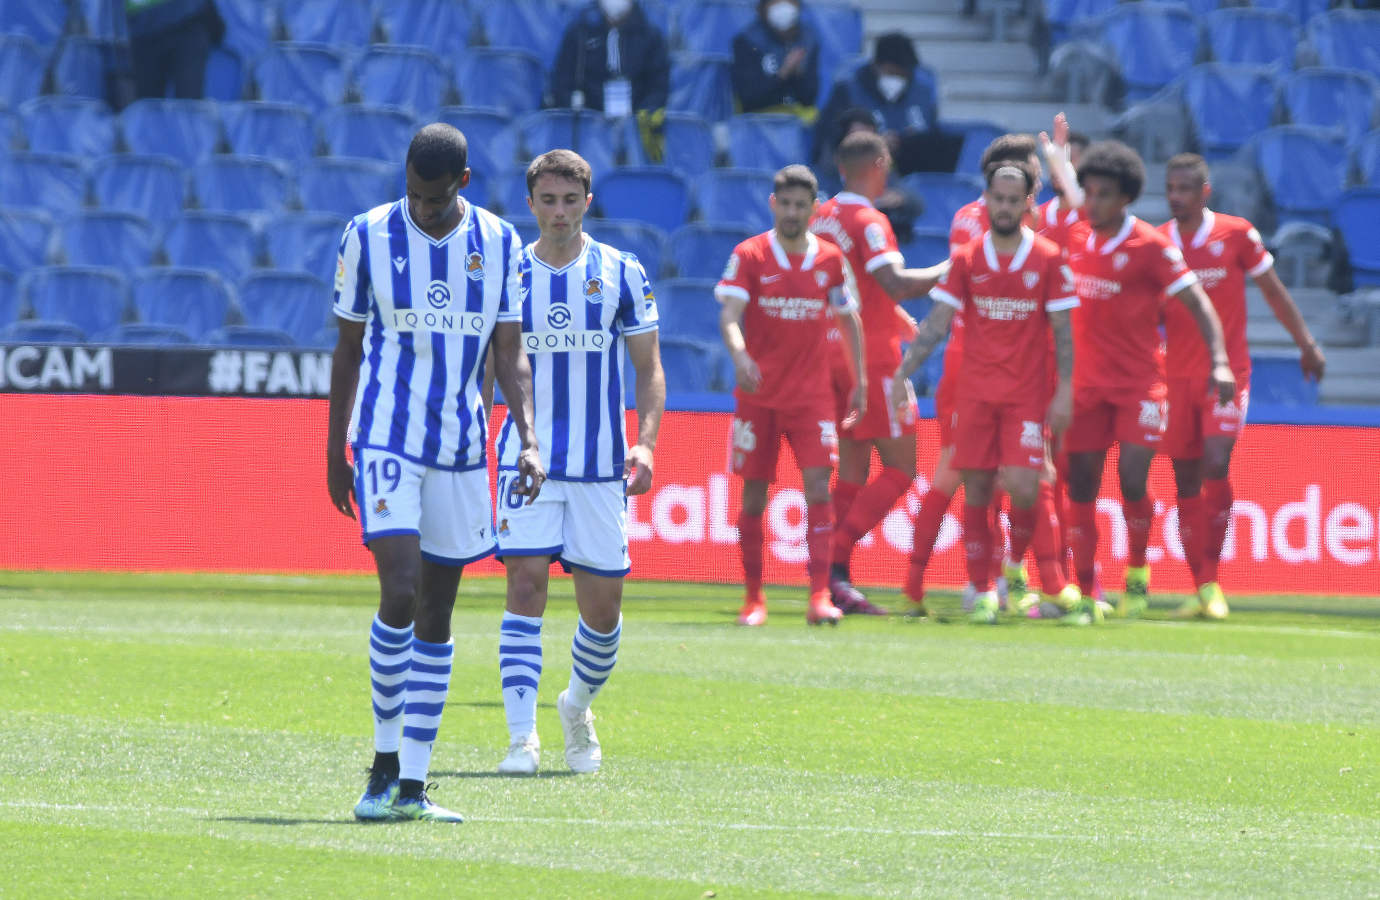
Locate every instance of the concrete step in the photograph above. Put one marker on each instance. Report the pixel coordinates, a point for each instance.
(1032, 117)
(927, 26)
(873, 8)
(1011, 88)
(1349, 389)
(1359, 362)
(978, 57)
(1150, 208)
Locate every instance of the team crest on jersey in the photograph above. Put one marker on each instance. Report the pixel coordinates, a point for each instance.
(821, 278)
(594, 289)
(339, 273)
(1033, 435)
(1215, 248)
(438, 294)
(503, 527)
(558, 316)
(474, 266)
(1030, 278)
(381, 508)
(1119, 261)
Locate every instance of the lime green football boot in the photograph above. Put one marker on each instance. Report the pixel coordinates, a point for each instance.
(1214, 604)
(1134, 601)
(422, 809)
(376, 803)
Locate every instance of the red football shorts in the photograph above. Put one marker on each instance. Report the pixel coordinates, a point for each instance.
(757, 432)
(1194, 414)
(880, 420)
(988, 435)
(945, 399)
(1106, 415)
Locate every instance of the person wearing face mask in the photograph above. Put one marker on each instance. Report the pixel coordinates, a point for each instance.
(901, 96)
(611, 59)
(776, 62)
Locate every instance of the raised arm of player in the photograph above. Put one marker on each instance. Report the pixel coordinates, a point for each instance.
(645, 352)
(905, 284)
(927, 336)
(1060, 413)
(853, 330)
(1277, 295)
(514, 375)
(1059, 164)
(349, 347)
(1197, 302)
(731, 329)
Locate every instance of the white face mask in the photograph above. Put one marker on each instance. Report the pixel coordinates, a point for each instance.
(783, 16)
(615, 9)
(891, 86)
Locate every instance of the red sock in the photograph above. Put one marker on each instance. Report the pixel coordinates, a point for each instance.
(977, 544)
(1217, 500)
(750, 542)
(819, 520)
(1049, 555)
(1083, 537)
(998, 536)
(1059, 501)
(1139, 515)
(932, 508)
(1022, 531)
(845, 493)
(873, 502)
(1191, 534)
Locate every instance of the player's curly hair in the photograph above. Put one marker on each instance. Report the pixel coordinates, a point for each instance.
(1008, 148)
(562, 164)
(795, 176)
(1114, 160)
(438, 150)
(1023, 166)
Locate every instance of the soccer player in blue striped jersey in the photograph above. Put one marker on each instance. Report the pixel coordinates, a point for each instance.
(582, 303)
(423, 287)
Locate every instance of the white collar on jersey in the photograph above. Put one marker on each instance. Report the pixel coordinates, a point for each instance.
(852, 198)
(1200, 236)
(579, 257)
(811, 249)
(464, 217)
(989, 251)
(1116, 240)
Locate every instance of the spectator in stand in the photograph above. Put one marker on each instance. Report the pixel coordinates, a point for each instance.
(776, 62)
(169, 43)
(612, 59)
(900, 93)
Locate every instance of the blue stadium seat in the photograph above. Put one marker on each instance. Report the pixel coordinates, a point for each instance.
(926, 248)
(702, 249)
(196, 301)
(367, 132)
(1262, 37)
(68, 125)
(1358, 219)
(51, 181)
(700, 84)
(328, 337)
(511, 194)
(347, 23)
(977, 134)
(587, 133)
(247, 184)
(99, 238)
(646, 194)
(249, 26)
(22, 65)
(1332, 98)
(534, 27)
(943, 195)
(686, 308)
(93, 298)
(646, 242)
(24, 237)
(313, 75)
(9, 297)
(305, 242)
(292, 302)
(840, 29)
(1300, 11)
(736, 195)
(41, 22)
(224, 76)
(508, 79)
(1153, 43)
(11, 133)
(282, 131)
(689, 144)
(348, 187)
(477, 191)
(1227, 105)
(152, 186)
(1348, 39)
(186, 130)
(489, 133)
(1368, 159)
(439, 25)
(1276, 379)
(38, 331)
(223, 242)
(708, 26)
(690, 365)
(526, 226)
(249, 336)
(412, 78)
(142, 334)
(82, 67)
(1304, 170)
(1064, 16)
(767, 140)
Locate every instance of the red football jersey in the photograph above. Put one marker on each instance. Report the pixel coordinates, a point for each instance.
(788, 315)
(864, 234)
(1053, 221)
(1223, 251)
(1006, 301)
(1123, 283)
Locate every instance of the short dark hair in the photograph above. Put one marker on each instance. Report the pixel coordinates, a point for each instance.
(1008, 148)
(795, 176)
(1023, 166)
(437, 151)
(1114, 160)
(861, 146)
(562, 164)
(1079, 139)
(855, 115)
(1190, 162)
(897, 49)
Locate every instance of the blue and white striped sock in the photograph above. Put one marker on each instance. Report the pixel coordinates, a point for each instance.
(390, 659)
(592, 657)
(427, 686)
(519, 668)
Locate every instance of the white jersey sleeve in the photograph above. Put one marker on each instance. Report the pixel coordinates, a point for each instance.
(351, 277)
(637, 311)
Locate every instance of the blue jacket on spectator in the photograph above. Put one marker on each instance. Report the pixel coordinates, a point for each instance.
(758, 52)
(583, 61)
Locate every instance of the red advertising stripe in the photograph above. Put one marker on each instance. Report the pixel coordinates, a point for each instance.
(150, 483)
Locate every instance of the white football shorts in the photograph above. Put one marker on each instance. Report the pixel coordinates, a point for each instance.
(584, 524)
(450, 511)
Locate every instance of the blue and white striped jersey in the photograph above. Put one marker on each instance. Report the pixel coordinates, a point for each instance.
(430, 308)
(574, 320)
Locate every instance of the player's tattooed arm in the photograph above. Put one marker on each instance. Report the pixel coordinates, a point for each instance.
(927, 336)
(514, 375)
(340, 479)
(1277, 295)
(1060, 412)
(645, 352)
(1197, 302)
(907, 284)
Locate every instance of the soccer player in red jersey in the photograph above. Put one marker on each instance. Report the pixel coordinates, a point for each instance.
(775, 297)
(863, 234)
(1124, 270)
(1014, 291)
(1222, 250)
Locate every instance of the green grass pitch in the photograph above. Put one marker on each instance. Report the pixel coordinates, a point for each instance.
(192, 736)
